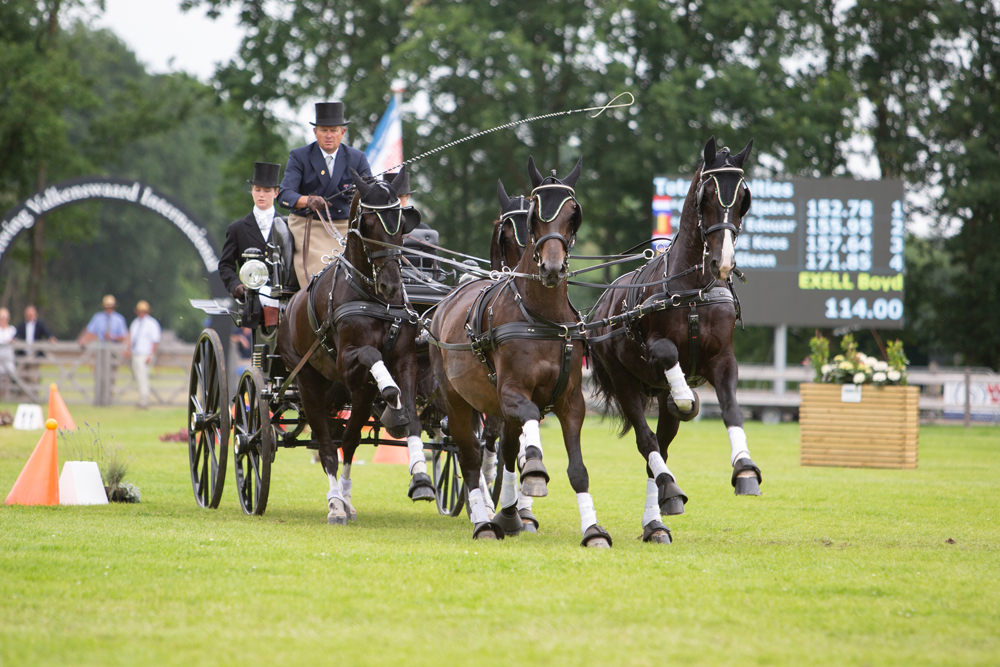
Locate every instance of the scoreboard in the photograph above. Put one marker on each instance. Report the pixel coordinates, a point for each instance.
(824, 252)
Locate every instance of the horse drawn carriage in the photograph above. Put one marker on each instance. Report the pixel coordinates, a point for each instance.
(498, 355)
(265, 413)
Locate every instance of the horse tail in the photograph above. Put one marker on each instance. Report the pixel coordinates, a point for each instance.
(610, 407)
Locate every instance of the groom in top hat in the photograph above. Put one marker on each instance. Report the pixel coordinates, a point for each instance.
(260, 227)
(315, 174)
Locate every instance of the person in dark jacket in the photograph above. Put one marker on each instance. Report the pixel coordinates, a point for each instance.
(260, 227)
(317, 184)
(33, 330)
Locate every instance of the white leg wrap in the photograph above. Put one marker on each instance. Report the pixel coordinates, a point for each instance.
(588, 517)
(651, 511)
(345, 481)
(520, 453)
(532, 438)
(679, 389)
(384, 379)
(508, 492)
(477, 507)
(490, 466)
(658, 465)
(524, 502)
(487, 496)
(418, 462)
(738, 443)
(334, 491)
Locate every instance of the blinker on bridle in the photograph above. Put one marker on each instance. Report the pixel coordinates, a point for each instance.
(712, 175)
(391, 254)
(536, 206)
(509, 217)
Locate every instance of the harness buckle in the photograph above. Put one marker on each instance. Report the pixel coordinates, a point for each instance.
(675, 300)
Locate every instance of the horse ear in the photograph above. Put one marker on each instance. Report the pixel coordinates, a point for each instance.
(359, 183)
(574, 175)
(536, 178)
(742, 156)
(411, 218)
(710, 150)
(502, 196)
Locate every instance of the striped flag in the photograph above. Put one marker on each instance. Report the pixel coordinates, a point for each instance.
(386, 149)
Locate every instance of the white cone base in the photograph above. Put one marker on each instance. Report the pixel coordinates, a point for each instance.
(81, 484)
(29, 417)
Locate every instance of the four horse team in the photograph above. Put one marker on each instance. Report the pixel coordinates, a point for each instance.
(505, 350)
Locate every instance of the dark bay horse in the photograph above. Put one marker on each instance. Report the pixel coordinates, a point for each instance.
(512, 348)
(682, 335)
(362, 337)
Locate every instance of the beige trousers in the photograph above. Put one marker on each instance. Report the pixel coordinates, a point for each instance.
(140, 369)
(320, 243)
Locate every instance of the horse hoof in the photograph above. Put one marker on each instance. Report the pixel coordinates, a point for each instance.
(530, 527)
(338, 513)
(598, 543)
(672, 507)
(487, 530)
(747, 486)
(596, 537)
(421, 487)
(534, 486)
(529, 520)
(656, 532)
(509, 520)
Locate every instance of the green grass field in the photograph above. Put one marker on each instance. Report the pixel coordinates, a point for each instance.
(829, 566)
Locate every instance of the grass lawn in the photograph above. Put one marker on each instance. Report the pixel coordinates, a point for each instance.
(829, 566)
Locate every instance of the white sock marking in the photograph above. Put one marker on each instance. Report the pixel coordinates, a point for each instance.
(737, 443)
(508, 491)
(477, 507)
(588, 517)
(679, 389)
(418, 462)
(651, 511)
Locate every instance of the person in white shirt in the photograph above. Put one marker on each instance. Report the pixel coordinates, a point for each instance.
(141, 343)
(6, 353)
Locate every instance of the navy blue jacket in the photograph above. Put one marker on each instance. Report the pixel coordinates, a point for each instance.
(306, 175)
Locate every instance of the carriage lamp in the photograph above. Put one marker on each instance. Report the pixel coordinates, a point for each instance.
(253, 274)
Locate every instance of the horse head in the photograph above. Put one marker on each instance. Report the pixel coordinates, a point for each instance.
(555, 215)
(510, 233)
(379, 217)
(723, 198)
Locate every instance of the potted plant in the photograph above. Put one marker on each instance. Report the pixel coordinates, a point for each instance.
(860, 411)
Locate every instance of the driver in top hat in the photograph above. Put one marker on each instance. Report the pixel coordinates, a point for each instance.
(314, 176)
(262, 226)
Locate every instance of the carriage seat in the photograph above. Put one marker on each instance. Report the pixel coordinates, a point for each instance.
(427, 265)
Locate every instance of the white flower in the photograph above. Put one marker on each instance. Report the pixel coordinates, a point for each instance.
(826, 368)
(859, 378)
(846, 366)
(894, 375)
(878, 377)
(881, 366)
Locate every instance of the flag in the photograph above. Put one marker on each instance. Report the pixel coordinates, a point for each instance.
(386, 148)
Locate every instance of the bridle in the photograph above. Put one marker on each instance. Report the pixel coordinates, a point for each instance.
(535, 208)
(391, 254)
(519, 206)
(712, 175)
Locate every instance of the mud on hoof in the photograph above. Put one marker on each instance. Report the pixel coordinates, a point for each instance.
(509, 520)
(596, 538)
(669, 496)
(338, 513)
(656, 532)
(396, 422)
(747, 485)
(680, 414)
(529, 520)
(487, 530)
(534, 479)
(421, 487)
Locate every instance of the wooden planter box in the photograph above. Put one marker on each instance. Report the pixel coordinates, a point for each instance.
(879, 432)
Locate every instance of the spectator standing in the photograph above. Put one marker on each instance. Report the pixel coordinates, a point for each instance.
(141, 342)
(32, 330)
(6, 352)
(107, 326)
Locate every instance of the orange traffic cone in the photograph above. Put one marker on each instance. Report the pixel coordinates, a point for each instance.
(391, 453)
(58, 409)
(38, 483)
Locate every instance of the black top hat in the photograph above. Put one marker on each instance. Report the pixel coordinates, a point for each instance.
(265, 174)
(330, 114)
(400, 180)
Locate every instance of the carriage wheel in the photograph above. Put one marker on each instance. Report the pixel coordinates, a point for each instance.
(253, 443)
(449, 492)
(208, 420)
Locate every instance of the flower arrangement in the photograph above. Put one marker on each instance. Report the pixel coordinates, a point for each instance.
(854, 367)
